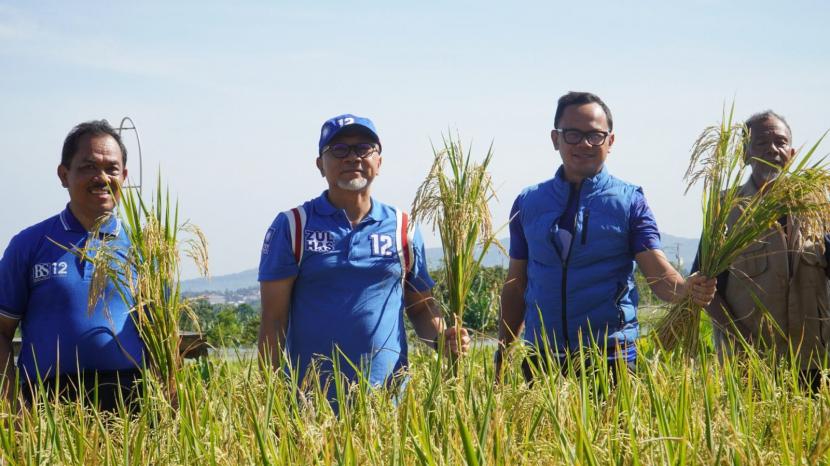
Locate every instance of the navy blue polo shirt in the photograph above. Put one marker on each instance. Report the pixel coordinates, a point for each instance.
(47, 289)
(348, 292)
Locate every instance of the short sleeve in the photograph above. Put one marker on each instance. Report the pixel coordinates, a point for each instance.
(418, 278)
(277, 260)
(518, 242)
(644, 234)
(14, 283)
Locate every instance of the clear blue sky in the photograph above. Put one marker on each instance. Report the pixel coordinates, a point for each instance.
(229, 98)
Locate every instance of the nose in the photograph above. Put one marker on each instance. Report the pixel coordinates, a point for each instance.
(584, 142)
(100, 174)
(351, 156)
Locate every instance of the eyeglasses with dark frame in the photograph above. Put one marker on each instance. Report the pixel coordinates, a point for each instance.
(341, 151)
(575, 136)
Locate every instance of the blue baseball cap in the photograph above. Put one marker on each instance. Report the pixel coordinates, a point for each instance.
(334, 125)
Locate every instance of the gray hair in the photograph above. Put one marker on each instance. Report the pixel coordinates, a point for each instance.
(766, 115)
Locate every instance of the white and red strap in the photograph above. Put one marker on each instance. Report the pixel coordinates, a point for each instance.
(403, 237)
(296, 226)
(403, 240)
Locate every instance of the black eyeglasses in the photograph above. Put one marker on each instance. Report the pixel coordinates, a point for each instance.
(575, 136)
(341, 151)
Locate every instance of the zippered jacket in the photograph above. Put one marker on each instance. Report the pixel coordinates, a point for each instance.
(590, 294)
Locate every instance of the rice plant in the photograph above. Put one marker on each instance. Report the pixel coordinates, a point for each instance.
(748, 410)
(454, 199)
(718, 162)
(148, 280)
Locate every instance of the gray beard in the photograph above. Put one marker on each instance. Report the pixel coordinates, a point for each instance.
(355, 184)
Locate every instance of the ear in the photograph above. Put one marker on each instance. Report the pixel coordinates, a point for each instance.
(380, 162)
(320, 166)
(63, 174)
(554, 136)
(611, 138)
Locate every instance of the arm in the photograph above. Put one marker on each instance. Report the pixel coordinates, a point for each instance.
(512, 315)
(273, 327)
(9, 375)
(426, 318)
(668, 284)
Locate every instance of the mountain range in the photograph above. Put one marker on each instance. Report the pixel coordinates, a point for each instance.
(676, 248)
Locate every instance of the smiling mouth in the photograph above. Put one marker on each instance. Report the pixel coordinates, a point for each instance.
(99, 190)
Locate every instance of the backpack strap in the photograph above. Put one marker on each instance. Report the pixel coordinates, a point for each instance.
(403, 240)
(296, 226)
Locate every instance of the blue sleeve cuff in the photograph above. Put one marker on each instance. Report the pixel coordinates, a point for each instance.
(518, 241)
(644, 234)
(278, 274)
(10, 313)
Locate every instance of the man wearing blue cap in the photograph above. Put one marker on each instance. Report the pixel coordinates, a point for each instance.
(45, 288)
(336, 272)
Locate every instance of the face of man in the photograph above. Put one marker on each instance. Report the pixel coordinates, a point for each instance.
(769, 141)
(582, 159)
(351, 173)
(96, 169)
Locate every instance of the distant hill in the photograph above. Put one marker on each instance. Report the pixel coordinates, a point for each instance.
(220, 283)
(674, 247)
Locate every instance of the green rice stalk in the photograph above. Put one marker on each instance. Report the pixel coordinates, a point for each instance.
(454, 199)
(718, 161)
(147, 276)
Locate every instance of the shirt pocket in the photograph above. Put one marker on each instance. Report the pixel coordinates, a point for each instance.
(539, 233)
(752, 262)
(812, 254)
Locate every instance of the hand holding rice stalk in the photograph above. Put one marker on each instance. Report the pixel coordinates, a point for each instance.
(149, 278)
(718, 160)
(454, 198)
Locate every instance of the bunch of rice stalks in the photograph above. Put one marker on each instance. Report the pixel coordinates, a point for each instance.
(718, 161)
(148, 278)
(454, 199)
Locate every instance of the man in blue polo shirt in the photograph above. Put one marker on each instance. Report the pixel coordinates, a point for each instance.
(45, 288)
(574, 240)
(336, 272)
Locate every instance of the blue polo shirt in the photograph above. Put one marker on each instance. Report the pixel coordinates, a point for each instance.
(348, 294)
(47, 289)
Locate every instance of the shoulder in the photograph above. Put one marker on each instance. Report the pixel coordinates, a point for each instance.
(390, 214)
(625, 187)
(32, 237)
(299, 213)
(536, 191)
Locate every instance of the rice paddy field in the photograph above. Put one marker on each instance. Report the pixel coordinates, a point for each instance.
(671, 410)
(678, 406)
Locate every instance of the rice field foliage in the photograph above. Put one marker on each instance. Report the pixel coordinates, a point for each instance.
(718, 162)
(672, 410)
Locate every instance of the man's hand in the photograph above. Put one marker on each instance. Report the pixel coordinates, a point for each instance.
(701, 289)
(453, 337)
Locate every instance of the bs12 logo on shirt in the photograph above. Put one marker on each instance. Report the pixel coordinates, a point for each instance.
(46, 270)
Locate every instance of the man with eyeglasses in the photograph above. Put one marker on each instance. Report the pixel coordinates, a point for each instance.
(337, 272)
(574, 240)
